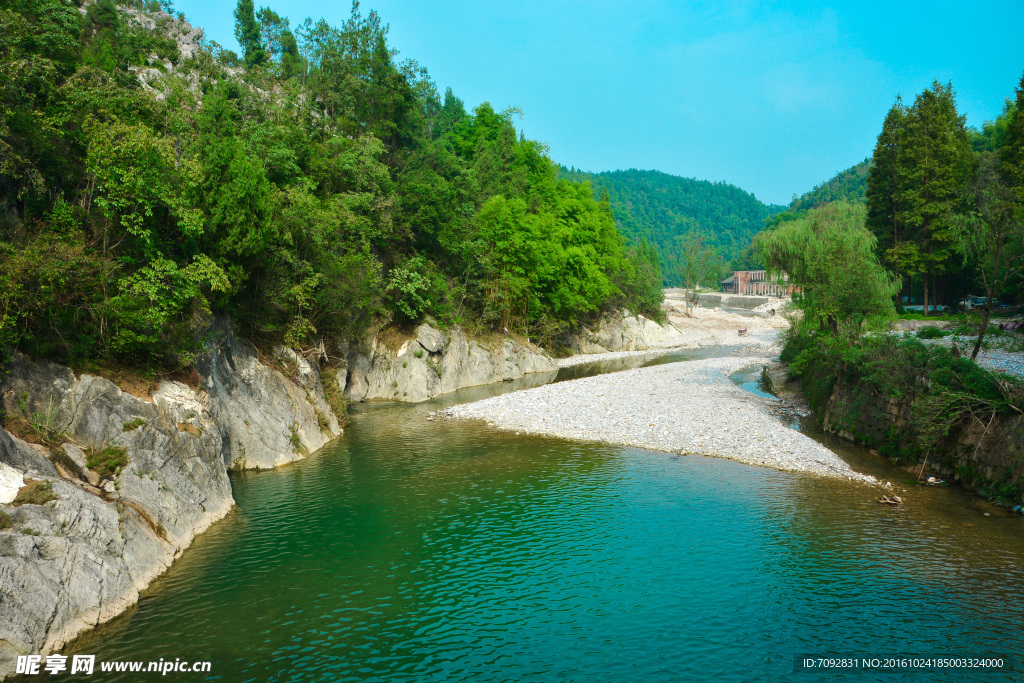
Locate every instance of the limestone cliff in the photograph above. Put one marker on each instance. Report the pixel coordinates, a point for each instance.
(126, 482)
(621, 331)
(434, 362)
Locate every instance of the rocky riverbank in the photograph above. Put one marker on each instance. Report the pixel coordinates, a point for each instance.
(430, 362)
(689, 408)
(106, 488)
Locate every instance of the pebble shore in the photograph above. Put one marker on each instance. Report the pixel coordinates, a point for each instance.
(690, 407)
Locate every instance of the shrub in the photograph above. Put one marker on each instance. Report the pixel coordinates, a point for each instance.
(133, 424)
(931, 333)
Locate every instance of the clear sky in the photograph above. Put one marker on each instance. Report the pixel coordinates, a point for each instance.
(774, 97)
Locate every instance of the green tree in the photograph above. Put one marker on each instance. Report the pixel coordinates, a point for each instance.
(247, 32)
(697, 264)
(934, 162)
(829, 256)
(991, 234)
(882, 192)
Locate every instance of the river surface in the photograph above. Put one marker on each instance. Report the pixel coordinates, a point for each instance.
(416, 550)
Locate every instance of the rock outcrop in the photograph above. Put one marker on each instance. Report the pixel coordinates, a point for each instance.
(621, 331)
(128, 482)
(436, 362)
(267, 419)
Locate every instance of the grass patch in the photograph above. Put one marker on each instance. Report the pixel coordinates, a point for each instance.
(133, 424)
(40, 427)
(296, 441)
(107, 462)
(36, 493)
(6, 521)
(322, 421)
(334, 396)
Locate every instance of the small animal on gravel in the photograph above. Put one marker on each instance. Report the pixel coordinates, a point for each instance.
(743, 333)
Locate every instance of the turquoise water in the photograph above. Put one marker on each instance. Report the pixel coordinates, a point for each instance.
(411, 550)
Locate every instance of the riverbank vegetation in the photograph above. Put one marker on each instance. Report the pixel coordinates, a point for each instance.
(311, 187)
(939, 201)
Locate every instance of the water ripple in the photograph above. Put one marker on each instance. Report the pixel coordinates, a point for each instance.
(442, 551)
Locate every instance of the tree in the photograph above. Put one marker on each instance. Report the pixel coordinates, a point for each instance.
(992, 234)
(883, 209)
(933, 163)
(697, 263)
(247, 32)
(829, 256)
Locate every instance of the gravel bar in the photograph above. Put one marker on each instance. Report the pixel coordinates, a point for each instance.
(690, 407)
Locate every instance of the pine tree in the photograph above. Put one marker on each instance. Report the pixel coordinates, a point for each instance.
(882, 206)
(247, 32)
(934, 162)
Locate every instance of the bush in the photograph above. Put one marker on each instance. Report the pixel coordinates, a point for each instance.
(932, 333)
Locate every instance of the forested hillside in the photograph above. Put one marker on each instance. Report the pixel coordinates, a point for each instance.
(845, 186)
(310, 187)
(664, 210)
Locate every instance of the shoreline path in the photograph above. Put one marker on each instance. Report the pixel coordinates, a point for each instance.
(690, 407)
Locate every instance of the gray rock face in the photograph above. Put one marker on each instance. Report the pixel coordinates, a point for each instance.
(82, 558)
(266, 418)
(435, 363)
(621, 331)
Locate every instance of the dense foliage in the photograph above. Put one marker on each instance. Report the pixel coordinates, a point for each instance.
(933, 183)
(311, 188)
(829, 256)
(944, 392)
(669, 211)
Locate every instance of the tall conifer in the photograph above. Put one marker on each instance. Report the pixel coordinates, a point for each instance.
(247, 32)
(882, 207)
(934, 162)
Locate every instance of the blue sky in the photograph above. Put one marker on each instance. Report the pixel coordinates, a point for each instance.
(774, 97)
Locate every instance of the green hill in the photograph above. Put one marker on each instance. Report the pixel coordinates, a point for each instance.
(658, 207)
(845, 186)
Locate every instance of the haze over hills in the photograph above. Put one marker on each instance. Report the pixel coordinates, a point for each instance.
(659, 208)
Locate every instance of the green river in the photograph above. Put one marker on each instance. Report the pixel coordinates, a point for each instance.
(416, 550)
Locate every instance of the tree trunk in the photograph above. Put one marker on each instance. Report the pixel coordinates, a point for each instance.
(984, 326)
(925, 280)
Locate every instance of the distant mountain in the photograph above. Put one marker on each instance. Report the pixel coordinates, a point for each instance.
(658, 207)
(845, 186)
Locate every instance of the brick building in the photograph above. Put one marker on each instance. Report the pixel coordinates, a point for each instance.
(754, 282)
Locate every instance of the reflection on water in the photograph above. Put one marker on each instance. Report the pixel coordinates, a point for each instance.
(447, 551)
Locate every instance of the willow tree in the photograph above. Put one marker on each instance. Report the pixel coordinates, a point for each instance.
(829, 256)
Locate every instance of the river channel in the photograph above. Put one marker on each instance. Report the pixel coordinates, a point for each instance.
(417, 550)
